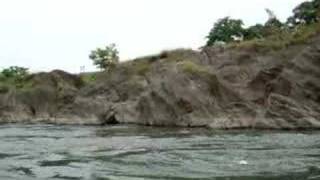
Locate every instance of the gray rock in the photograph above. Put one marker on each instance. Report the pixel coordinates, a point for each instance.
(217, 87)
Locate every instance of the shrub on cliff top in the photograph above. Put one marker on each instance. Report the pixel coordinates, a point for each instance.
(225, 30)
(14, 72)
(14, 75)
(284, 38)
(106, 58)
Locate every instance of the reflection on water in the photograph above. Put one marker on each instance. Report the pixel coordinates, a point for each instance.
(134, 153)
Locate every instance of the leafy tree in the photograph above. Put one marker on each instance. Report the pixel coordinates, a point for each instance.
(225, 30)
(306, 13)
(15, 75)
(106, 58)
(15, 72)
(254, 32)
(273, 26)
(273, 23)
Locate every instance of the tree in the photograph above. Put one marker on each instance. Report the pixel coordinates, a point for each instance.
(306, 13)
(273, 26)
(273, 21)
(226, 29)
(254, 32)
(105, 58)
(15, 72)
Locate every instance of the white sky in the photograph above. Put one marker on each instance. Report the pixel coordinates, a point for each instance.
(59, 34)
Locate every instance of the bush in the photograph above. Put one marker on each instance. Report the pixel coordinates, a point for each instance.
(88, 77)
(254, 32)
(14, 76)
(15, 72)
(282, 39)
(105, 58)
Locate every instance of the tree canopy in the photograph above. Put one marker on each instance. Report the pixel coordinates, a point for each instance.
(225, 30)
(229, 30)
(253, 32)
(105, 58)
(307, 12)
(14, 72)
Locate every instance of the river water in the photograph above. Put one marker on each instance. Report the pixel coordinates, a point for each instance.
(31, 152)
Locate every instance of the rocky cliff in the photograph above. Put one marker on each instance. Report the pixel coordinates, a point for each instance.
(224, 88)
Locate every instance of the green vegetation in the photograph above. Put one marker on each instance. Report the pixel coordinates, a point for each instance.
(193, 68)
(105, 59)
(88, 78)
(225, 30)
(13, 76)
(229, 30)
(273, 35)
(306, 13)
(269, 36)
(142, 68)
(14, 72)
(282, 39)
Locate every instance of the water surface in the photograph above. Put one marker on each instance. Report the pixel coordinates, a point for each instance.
(32, 152)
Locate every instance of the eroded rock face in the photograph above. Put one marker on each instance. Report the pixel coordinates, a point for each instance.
(217, 88)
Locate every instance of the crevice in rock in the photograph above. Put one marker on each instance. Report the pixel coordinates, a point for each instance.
(109, 119)
(33, 111)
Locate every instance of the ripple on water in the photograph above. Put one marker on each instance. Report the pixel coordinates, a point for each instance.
(130, 152)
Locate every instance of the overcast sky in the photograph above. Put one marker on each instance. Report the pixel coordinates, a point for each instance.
(51, 34)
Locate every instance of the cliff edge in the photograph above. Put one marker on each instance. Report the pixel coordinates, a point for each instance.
(217, 87)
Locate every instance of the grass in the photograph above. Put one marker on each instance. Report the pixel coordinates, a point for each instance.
(304, 33)
(88, 78)
(139, 66)
(142, 68)
(203, 72)
(142, 65)
(12, 84)
(280, 39)
(153, 58)
(181, 54)
(7, 83)
(193, 68)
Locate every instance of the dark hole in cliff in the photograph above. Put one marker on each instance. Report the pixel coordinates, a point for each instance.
(318, 99)
(68, 98)
(33, 110)
(185, 105)
(112, 120)
(123, 96)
